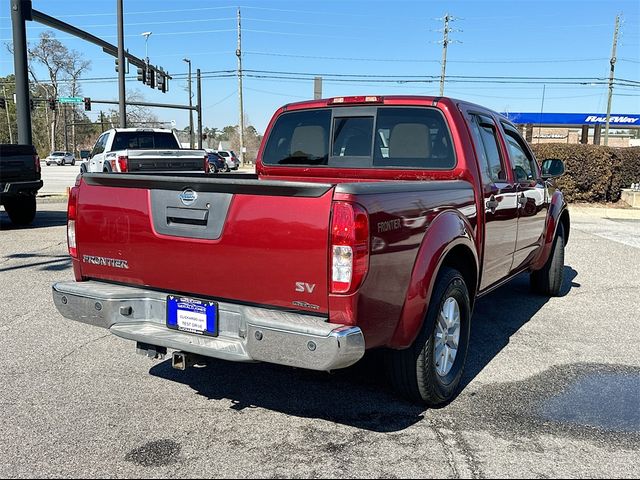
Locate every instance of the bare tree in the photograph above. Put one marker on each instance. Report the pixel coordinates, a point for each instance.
(62, 65)
(74, 68)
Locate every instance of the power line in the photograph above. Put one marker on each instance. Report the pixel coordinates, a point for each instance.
(422, 60)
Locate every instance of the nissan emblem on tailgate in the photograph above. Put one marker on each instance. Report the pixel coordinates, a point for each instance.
(188, 197)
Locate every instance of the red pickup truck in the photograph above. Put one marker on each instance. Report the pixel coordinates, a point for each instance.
(372, 222)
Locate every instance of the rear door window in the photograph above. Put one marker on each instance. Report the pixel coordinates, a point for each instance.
(485, 138)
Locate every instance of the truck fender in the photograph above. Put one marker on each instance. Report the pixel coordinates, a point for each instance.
(557, 213)
(447, 231)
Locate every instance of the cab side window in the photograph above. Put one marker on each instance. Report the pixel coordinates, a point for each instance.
(485, 138)
(99, 146)
(522, 162)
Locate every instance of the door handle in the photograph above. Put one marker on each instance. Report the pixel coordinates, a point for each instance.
(492, 204)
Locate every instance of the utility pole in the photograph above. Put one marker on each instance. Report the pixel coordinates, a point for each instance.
(317, 88)
(101, 121)
(190, 104)
(66, 137)
(544, 87)
(613, 63)
(239, 55)
(6, 106)
(445, 43)
(122, 107)
(20, 12)
(199, 93)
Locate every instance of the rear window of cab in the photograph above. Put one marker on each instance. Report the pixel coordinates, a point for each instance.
(375, 137)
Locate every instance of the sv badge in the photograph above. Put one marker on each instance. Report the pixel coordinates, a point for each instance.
(305, 287)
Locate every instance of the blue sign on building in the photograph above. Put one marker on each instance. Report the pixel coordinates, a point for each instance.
(615, 120)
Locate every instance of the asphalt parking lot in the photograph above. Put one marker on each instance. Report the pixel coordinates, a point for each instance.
(552, 387)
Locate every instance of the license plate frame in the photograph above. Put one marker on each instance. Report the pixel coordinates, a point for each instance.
(192, 315)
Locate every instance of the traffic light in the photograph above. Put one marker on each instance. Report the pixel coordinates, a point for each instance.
(142, 74)
(3, 103)
(126, 65)
(52, 103)
(87, 104)
(31, 104)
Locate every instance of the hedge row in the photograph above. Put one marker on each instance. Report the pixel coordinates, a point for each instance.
(594, 173)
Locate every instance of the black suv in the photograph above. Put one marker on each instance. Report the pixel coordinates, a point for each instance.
(20, 181)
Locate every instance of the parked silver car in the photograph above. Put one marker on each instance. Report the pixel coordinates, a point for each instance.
(61, 158)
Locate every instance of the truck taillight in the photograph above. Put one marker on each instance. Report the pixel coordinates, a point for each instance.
(121, 164)
(72, 213)
(206, 164)
(349, 247)
(36, 163)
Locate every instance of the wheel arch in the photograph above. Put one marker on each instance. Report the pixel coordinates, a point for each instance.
(448, 243)
(558, 215)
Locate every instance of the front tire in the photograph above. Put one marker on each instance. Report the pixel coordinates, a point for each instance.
(430, 370)
(21, 209)
(548, 280)
(73, 162)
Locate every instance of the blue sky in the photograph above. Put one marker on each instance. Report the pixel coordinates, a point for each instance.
(398, 38)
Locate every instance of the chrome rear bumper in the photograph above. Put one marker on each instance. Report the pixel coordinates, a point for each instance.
(245, 333)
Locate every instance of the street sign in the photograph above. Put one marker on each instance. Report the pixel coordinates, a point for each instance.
(70, 99)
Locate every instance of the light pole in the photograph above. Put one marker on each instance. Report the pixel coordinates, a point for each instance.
(190, 105)
(146, 40)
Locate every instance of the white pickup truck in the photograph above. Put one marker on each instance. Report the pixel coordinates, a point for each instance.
(142, 150)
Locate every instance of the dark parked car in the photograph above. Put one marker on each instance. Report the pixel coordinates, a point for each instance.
(230, 158)
(216, 163)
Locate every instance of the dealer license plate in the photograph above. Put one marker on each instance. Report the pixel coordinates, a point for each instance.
(192, 315)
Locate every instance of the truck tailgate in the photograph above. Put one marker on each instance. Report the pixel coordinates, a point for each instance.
(163, 160)
(246, 240)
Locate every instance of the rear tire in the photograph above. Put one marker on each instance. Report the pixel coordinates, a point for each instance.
(419, 372)
(548, 280)
(21, 209)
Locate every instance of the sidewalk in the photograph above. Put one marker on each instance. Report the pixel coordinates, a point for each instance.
(597, 210)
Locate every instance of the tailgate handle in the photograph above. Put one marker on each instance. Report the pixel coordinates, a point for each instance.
(187, 216)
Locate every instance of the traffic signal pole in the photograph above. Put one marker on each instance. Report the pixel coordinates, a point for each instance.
(20, 12)
(121, 68)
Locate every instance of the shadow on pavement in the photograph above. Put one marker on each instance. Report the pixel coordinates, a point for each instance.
(500, 314)
(359, 396)
(44, 219)
(54, 263)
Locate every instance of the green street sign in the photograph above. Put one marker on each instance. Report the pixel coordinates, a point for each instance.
(70, 99)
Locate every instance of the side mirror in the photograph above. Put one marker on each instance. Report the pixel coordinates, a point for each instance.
(552, 168)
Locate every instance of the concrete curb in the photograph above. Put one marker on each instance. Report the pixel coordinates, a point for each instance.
(604, 211)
